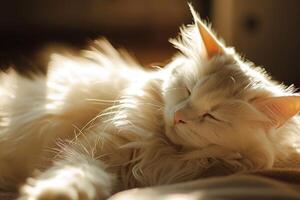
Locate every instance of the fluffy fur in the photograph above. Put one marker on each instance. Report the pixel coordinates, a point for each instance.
(99, 123)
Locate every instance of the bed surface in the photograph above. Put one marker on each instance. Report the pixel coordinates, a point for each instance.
(271, 184)
(268, 184)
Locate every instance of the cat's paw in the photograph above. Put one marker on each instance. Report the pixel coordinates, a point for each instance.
(47, 191)
(60, 188)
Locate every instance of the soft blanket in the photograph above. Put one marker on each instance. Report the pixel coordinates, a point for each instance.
(267, 184)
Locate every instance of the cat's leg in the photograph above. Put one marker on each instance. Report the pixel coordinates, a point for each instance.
(78, 177)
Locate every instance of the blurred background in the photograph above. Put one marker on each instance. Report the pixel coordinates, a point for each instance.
(264, 31)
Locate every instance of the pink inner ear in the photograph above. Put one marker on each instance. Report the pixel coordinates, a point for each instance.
(212, 46)
(279, 109)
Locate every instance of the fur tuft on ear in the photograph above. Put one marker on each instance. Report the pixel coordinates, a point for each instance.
(279, 109)
(212, 45)
(195, 15)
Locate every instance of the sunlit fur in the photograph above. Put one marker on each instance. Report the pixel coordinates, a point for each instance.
(99, 123)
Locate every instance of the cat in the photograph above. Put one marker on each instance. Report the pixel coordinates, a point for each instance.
(99, 123)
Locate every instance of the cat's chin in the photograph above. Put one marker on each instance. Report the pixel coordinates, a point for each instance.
(174, 138)
(182, 139)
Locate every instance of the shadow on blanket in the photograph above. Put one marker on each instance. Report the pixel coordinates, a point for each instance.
(268, 184)
(271, 184)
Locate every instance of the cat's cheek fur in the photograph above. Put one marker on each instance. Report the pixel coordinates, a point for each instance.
(255, 147)
(251, 142)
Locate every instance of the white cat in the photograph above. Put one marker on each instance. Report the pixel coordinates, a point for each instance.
(99, 123)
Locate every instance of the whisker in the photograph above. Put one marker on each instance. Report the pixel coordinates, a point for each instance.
(102, 100)
(174, 88)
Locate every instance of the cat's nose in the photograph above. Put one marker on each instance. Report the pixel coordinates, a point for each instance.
(178, 118)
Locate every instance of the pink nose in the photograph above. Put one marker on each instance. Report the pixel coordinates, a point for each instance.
(178, 118)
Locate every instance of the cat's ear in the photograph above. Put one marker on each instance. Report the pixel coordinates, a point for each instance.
(210, 42)
(279, 109)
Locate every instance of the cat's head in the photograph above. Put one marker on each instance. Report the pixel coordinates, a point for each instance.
(221, 106)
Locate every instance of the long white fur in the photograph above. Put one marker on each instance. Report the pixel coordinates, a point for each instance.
(99, 123)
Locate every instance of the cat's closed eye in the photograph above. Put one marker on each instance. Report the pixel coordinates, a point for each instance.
(188, 90)
(209, 116)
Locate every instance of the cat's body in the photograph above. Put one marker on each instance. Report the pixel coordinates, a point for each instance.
(128, 127)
